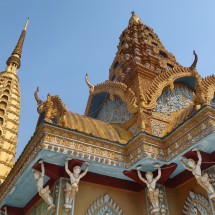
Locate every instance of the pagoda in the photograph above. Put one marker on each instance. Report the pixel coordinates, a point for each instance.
(145, 144)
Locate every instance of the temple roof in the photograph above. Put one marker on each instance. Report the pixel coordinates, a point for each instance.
(97, 128)
(54, 111)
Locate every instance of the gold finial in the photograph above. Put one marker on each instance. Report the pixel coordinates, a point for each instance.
(134, 18)
(17, 52)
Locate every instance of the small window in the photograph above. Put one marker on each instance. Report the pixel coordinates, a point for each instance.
(6, 91)
(2, 112)
(3, 104)
(116, 65)
(151, 36)
(4, 97)
(169, 66)
(0, 132)
(113, 78)
(1, 121)
(154, 44)
(162, 54)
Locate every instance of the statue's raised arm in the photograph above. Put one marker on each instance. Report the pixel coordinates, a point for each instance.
(140, 175)
(67, 167)
(159, 173)
(85, 171)
(42, 168)
(184, 164)
(199, 156)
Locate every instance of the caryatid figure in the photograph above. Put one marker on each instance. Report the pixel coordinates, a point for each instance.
(43, 192)
(75, 176)
(153, 193)
(195, 168)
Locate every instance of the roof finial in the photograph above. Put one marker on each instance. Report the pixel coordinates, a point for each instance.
(26, 25)
(134, 19)
(193, 66)
(91, 87)
(17, 52)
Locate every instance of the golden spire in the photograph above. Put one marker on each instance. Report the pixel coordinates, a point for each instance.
(134, 18)
(15, 57)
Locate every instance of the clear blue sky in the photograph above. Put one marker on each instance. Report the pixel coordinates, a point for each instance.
(66, 39)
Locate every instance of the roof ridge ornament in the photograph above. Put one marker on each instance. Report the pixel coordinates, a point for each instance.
(193, 66)
(91, 87)
(38, 100)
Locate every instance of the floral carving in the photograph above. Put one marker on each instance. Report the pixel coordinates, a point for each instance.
(195, 204)
(104, 205)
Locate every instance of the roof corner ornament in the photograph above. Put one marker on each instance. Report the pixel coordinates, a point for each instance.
(91, 87)
(193, 66)
(38, 100)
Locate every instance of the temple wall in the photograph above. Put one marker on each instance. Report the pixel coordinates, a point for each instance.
(130, 202)
(177, 197)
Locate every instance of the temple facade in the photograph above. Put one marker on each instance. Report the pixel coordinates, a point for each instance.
(145, 145)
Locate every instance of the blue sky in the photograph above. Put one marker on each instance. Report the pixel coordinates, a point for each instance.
(66, 39)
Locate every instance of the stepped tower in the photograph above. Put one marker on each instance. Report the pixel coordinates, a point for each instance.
(10, 108)
(140, 57)
(145, 80)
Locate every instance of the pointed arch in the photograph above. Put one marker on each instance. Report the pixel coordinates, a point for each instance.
(196, 203)
(104, 205)
(163, 80)
(118, 89)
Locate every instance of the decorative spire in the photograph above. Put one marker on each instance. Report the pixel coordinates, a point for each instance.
(15, 57)
(134, 19)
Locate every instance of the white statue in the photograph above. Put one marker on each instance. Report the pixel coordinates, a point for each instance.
(195, 168)
(43, 192)
(153, 193)
(72, 189)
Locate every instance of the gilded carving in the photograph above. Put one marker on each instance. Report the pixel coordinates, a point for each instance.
(53, 108)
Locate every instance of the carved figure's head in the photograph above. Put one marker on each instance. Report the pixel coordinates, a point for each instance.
(76, 170)
(149, 176)
(191, 163)
(37, 174)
